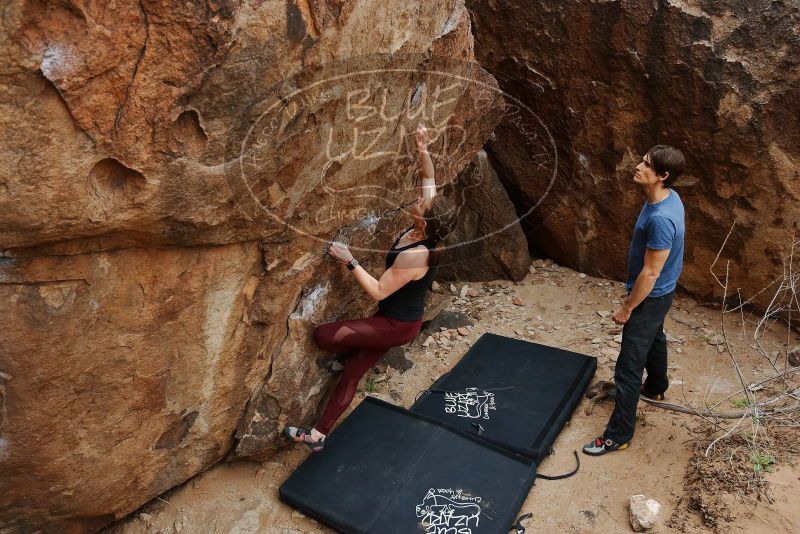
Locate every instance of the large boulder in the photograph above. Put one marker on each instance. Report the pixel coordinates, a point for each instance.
(716, 78)
(125, 371)
(170, 173)
(488, 241)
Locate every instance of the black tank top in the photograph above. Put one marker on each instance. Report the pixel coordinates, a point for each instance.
(408, 302)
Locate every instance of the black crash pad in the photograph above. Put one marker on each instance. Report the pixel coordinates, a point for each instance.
(386, 470)
(520, 393)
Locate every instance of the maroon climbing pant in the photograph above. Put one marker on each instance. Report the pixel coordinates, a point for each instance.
(364, 341)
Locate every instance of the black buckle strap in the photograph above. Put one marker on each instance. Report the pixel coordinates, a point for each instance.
(565, 475)
(518, 524)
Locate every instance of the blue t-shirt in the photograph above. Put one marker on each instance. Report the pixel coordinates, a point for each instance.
(660, 226)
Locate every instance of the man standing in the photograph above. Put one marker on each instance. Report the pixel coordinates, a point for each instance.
(654, 265)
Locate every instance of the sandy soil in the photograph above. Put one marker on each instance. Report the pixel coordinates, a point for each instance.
(558, 307)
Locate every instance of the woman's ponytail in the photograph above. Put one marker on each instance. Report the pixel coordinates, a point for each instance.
(440, 220)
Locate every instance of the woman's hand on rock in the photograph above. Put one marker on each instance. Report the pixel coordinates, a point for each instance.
(422, 137)
(340, 252)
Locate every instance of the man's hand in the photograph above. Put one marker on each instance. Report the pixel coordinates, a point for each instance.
(422, 137)
(340, 252)
(622, 314)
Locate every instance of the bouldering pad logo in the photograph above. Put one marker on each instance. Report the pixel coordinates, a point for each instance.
(471, 403)
(449, 511)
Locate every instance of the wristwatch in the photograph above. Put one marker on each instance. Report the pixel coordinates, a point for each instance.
(352, 264)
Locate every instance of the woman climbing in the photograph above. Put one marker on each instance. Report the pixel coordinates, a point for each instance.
(400, 292)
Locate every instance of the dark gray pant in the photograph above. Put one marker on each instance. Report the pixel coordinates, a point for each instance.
(644, 346)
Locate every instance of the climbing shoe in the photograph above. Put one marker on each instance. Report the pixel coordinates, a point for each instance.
(601, 445)
(656, 397)
(301, 435)
(333, 365)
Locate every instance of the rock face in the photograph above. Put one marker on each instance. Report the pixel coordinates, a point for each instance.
(126, 369)
(718, 79)
(488, 240)
(169, 174)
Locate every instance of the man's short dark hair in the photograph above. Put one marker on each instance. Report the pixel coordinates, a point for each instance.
(667, 159)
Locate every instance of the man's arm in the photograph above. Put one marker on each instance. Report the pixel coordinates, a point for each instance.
(654, 261)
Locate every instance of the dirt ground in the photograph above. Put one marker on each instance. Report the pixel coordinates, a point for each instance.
(554, 306)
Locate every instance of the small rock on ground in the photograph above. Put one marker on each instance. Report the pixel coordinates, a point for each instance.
(644, 512)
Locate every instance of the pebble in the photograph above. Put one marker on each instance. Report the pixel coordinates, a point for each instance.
(517, 301)
(464, 291)
(463, 331)
(596, 341)
(604, 313)
(453, 289)
(581, 275)
(427, 341)
(644, 512)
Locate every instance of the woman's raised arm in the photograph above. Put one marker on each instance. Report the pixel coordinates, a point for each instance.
(428, 182)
